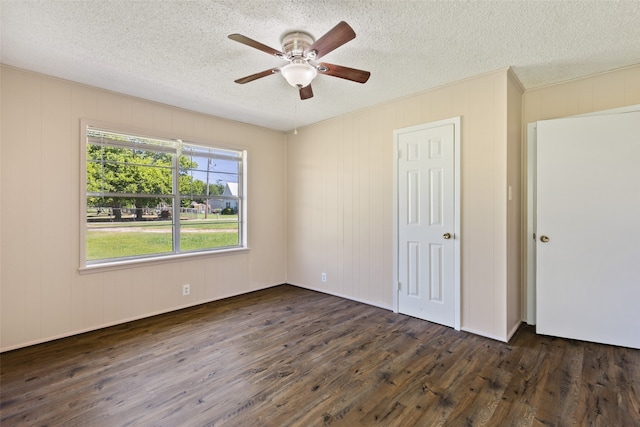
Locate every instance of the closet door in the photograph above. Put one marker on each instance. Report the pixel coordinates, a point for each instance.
(588, 228)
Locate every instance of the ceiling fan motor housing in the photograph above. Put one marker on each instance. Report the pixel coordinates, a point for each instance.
(294, 44)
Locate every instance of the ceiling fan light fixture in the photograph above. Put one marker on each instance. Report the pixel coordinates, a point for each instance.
(299, 74)
(300, 49)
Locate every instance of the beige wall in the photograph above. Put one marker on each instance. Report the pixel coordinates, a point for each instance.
(515, 285)
(614, 89)
(43, 296)
(618, 88)
(337, 194)
(339, 199)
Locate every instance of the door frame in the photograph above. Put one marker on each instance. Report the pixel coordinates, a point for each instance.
(532, 140)
(532, 208)
(455, 121)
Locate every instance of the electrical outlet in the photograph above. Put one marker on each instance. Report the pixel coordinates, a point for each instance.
(186, 289)
(324, 277)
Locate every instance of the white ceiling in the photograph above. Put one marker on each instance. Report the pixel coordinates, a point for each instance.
(177, 52)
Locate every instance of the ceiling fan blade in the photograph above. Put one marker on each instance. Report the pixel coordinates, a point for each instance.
(306, 92)
(257, 45)
(333, 39)
(353, 74)
(257, 76)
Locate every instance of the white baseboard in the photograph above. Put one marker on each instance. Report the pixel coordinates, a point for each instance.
(337, 294)
(130, 319)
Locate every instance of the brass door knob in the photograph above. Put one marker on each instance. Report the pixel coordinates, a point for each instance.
(446, 236)
(544, 239)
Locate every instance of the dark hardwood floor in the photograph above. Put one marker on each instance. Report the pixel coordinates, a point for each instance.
(291, 357)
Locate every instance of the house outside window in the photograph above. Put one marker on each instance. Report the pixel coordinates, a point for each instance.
(147, 197)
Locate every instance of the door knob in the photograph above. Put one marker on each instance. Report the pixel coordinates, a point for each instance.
(544, 239)
(446, 236)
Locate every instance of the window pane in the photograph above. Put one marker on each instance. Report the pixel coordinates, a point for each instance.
(135, 186)
(206, 171)
(227, 207)
(204, 225)
(126, 228)
(127, 170)
(208, 233)
(111, 139)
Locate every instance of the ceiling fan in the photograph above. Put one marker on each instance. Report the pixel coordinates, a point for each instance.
(302, 51)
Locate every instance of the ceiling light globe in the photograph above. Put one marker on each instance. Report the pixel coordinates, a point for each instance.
(298, 74)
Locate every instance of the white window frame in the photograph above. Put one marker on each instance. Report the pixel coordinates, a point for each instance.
(85, 125)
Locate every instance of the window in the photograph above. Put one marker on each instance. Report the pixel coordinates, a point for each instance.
(150, 197)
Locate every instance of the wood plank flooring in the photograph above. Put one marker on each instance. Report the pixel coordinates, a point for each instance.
(287, 356)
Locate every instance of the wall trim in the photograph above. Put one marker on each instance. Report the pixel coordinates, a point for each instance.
(132, 319)
(613, 70)
(484, 334)
(511, 75)
(340, 295)
(514, 330)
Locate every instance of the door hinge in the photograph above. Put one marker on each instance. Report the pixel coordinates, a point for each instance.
(399, 286)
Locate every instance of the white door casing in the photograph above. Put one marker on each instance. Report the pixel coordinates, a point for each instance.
(531, 224)
(588, 205)
(427, 222)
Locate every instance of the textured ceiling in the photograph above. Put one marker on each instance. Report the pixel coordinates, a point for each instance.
(178, 53)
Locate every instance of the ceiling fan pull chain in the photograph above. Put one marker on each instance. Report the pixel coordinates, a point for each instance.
(295, 116)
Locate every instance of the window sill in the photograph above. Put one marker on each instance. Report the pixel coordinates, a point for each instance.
(120, 265)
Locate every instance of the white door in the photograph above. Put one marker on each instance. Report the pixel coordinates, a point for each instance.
(588, 228)
(426, 220)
